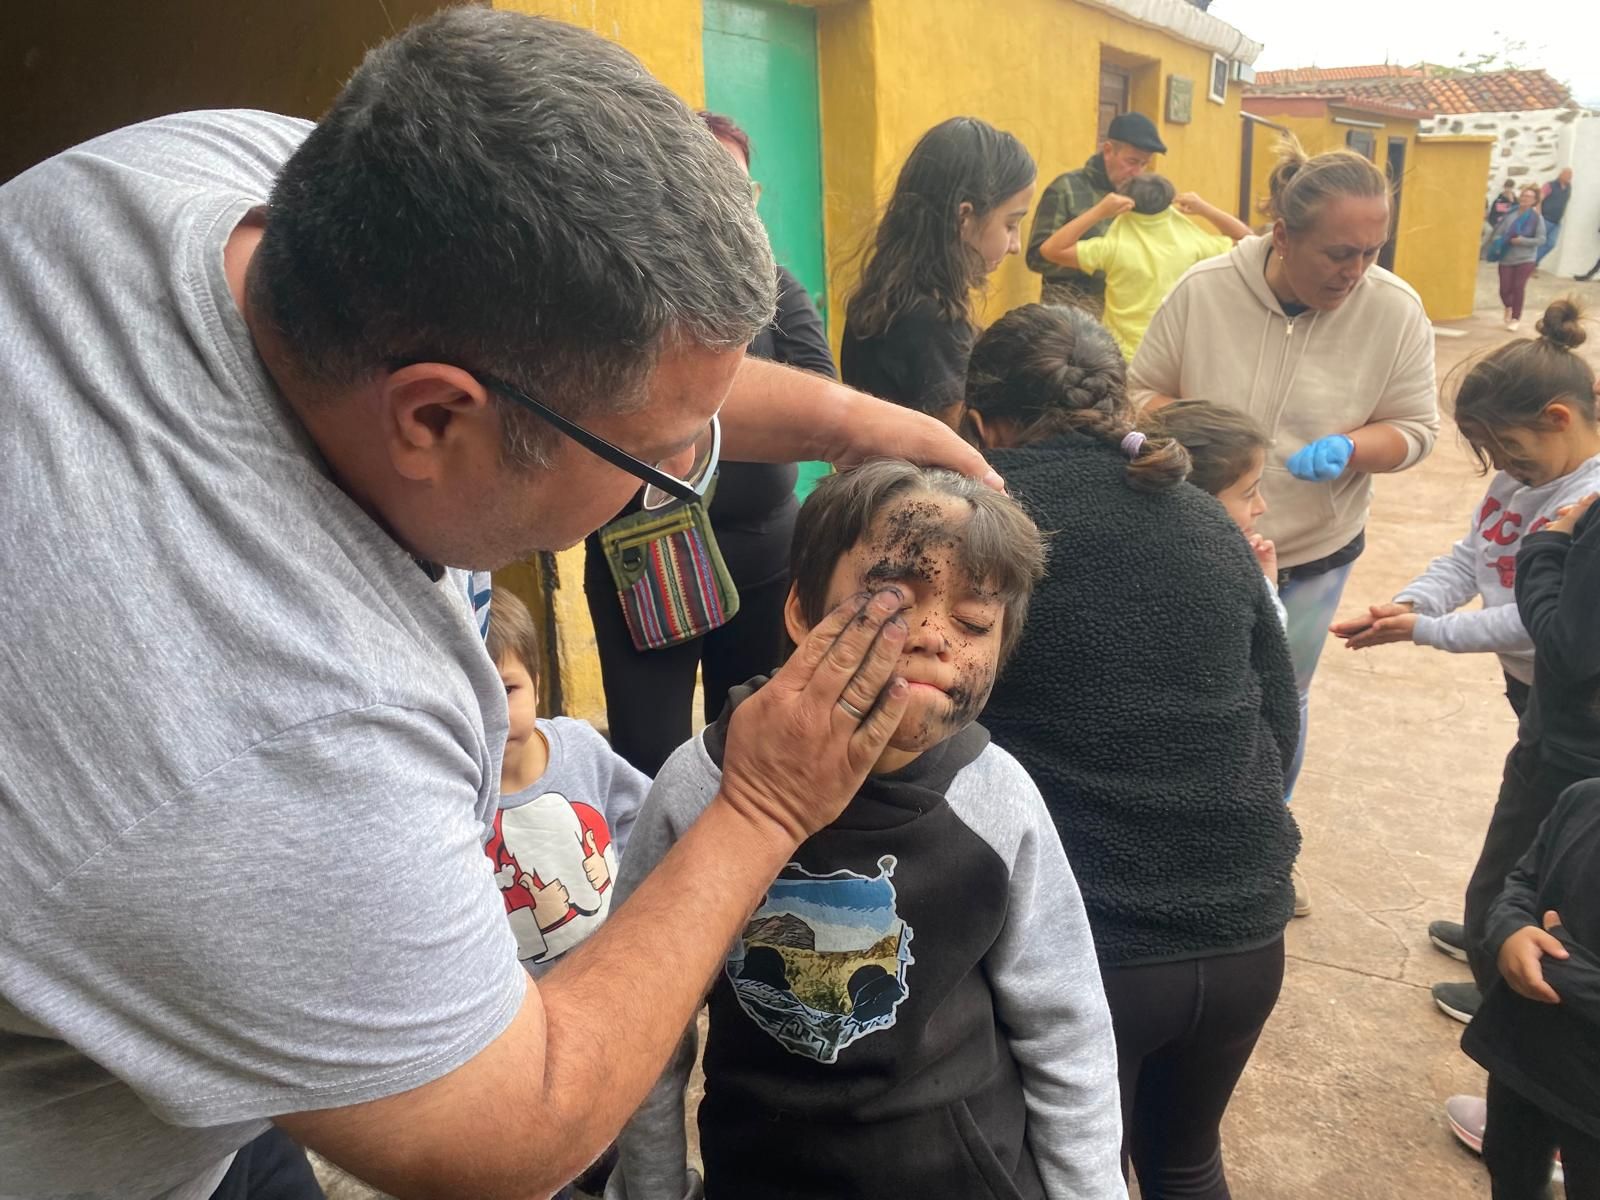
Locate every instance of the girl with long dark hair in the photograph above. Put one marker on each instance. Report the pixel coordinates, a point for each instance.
(956, 212)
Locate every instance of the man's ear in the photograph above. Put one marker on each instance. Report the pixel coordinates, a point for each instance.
(794, 621)
(425, 409)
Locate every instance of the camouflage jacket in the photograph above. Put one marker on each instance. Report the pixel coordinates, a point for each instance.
(1071, 194)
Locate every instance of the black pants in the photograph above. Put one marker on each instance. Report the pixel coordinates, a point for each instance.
(1521, 1139)
(1517, 694)
(1184, 1033)
(650, 695)
(1529, 789)
(272, 1167)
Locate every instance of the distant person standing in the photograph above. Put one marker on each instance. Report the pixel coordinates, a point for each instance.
(1496, 212)
(1131, 142)
(1553, 208)
(1519, 236)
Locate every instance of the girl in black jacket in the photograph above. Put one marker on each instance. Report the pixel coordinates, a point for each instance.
(1153, 701)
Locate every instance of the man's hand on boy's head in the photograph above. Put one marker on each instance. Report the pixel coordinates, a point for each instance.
(1520, 956)
(796, 753)
(1568, 516)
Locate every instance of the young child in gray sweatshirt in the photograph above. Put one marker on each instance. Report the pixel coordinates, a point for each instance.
(915, 1007)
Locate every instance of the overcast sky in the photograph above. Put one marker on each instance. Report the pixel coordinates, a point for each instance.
(1562, 37)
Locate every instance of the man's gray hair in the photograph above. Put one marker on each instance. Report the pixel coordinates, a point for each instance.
(518, 197)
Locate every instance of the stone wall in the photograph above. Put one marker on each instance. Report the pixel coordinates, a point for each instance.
(1530, 146)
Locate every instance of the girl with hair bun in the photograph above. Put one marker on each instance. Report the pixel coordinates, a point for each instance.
(1528, 412)
(1152, 699)
(955, 214)
(1331, 354)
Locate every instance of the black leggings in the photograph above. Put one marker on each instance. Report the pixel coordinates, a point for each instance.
(1184, 1033)
(650, 695)
(1519, 1143)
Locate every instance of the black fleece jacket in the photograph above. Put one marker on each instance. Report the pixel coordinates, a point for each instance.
(1153, 701)
(1558, 596)
(1550, 1053)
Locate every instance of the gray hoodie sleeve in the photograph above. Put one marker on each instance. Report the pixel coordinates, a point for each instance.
(654, 1146)
(1047, 988)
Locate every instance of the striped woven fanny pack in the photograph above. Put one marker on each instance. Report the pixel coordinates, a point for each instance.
(670, 576)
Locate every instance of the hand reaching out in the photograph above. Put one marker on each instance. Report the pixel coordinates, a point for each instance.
(1191, 204)
(1384, 623)
(1115, 204)
(1520, 955)
(1568, 515)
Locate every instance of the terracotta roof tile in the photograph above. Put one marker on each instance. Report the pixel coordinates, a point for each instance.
(1422, 88)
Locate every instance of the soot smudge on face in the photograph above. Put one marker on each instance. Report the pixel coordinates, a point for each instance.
(917, 542)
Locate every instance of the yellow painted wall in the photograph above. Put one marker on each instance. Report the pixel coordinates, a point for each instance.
(665, 34)
(73, 69)
(1441, 217)
(893, 68)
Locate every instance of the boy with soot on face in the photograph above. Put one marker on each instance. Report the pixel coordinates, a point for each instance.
(914, 1009)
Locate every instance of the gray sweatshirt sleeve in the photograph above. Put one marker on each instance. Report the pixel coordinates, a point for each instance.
(1450, 582)
(1047, 987)
(654, 1147)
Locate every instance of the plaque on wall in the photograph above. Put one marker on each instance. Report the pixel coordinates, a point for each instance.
(1180, 100)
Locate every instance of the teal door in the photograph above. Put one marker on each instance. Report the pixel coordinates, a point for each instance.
(761, 70)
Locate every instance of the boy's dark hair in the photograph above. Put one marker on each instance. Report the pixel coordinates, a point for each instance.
(1222, 442)
(1049, 369)
(1001, 546)
(1510, 388)
(917, 252)
(514, 196)
(512, 633)
(725, 129)
(1150, 193)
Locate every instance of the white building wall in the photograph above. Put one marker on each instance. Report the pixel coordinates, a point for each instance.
(1579, 244)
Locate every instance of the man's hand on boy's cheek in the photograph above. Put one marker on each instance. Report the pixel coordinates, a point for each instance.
(795, 753)
(1521, 955)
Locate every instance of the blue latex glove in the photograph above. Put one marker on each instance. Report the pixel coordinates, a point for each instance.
(1324, 459)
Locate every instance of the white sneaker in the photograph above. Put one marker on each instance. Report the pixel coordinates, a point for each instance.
(1512, 325)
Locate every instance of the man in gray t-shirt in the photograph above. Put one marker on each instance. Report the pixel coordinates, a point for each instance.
(258, 382)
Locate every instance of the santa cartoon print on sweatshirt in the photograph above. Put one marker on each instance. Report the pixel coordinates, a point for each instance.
(823, 960)
(554, 863)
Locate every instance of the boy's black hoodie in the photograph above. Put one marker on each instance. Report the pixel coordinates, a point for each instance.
(914, 1010)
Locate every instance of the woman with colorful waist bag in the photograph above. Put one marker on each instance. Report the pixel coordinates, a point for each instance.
(650, 692)
(1332, 355)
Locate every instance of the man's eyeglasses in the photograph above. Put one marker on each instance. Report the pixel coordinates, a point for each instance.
(661, 488)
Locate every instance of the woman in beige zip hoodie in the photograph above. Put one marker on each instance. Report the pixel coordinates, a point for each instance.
(1331, 354)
